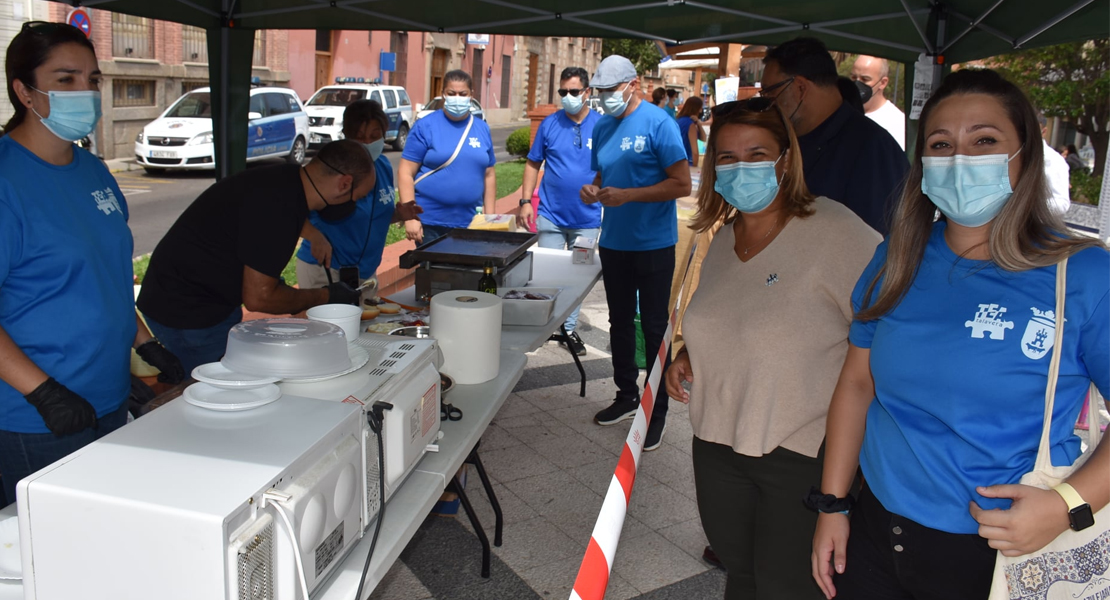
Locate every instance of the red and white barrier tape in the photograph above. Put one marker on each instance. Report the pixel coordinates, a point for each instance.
(593, 575)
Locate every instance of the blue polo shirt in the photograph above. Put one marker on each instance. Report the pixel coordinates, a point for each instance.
(856, 162)
(450, 196)
(360, 238)
(66, 283)
(635, 152)
(960, 367)
(566, 147)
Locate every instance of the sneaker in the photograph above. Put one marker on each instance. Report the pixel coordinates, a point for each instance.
(556, 337)
(654, 434)
(577, 345)
(619, 410)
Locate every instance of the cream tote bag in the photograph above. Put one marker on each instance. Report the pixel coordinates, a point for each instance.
(1076, 565)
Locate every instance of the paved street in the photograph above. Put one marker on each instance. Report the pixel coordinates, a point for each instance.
(156, 201)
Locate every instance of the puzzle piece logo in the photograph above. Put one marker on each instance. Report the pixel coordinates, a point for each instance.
(626, 143)
(989, 319)
(474, 143)
(106, 201)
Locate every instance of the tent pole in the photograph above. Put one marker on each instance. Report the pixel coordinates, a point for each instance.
(1104, 203)
(223, 140)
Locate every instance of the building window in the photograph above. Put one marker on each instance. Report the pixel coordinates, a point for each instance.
(194, 44)
(259, 59)
(132, 92)
(188, 86)
(132, 37)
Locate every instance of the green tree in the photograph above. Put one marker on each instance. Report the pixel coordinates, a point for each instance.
(1071, 81)
(644, 54)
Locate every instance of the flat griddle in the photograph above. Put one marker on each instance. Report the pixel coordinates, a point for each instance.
(471, 247)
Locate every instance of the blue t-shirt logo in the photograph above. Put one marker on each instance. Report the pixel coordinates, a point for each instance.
(106, 201)
(1040, 334)
(474, 143)
(626, 143)
(989, 320)
(641, 143)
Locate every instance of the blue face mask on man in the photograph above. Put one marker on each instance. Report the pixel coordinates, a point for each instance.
(572, 104)
(613, 103)
(73, 115)
(748, 186)
(969, 190)
(457, 106)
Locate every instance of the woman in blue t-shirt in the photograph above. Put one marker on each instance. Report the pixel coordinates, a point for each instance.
(67, 309)
(359, 238)
(447, 165)
(941, 399)
(690, 125)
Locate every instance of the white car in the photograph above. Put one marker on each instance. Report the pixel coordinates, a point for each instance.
(182, 137)
(325, 110)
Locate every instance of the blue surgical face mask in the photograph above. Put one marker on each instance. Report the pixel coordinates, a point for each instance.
(613, 103)
(969, 190)
(749, 186)
(573, 104)
(375, 148)
(73, 115)
(457, 106)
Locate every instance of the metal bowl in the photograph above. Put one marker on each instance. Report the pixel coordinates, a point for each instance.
(415, 331)
(445, 383)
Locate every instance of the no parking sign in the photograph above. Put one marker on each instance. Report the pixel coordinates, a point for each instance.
(79, 18)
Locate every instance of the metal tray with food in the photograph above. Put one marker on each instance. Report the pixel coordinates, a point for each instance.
(471, 247)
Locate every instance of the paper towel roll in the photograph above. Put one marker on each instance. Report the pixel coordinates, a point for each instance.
(467, 327)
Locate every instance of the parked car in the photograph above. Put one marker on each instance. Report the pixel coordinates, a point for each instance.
(181, 138)
(325, 110)
(437, 104)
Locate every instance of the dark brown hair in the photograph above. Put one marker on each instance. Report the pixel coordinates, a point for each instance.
(359, 113)
(28, 51)
(1025, 235)
(691, 108)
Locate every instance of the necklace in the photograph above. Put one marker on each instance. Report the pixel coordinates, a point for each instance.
(773, 227)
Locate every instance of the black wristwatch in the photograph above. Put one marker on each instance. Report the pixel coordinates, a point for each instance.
(1080, 516)
(524, 201)
(827, 503)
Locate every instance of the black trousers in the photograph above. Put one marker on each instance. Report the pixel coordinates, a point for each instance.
(650, 273)
(893, 558)
(752, 512)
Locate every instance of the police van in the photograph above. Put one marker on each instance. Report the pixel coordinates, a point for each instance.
(325, 109)
(182, 137)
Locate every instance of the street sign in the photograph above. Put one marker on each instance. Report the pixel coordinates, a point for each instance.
(387, 61)
(79, 18)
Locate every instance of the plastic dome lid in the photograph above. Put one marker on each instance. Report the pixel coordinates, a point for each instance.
(286, 348)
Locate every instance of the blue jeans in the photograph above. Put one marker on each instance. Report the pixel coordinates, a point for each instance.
(433, 232)
(24, 453)
(562, 238)
(196, 347)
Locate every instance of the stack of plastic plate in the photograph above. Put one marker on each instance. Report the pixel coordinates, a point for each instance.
(221, 389)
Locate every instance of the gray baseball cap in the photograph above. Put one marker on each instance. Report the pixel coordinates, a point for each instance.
(614, 70)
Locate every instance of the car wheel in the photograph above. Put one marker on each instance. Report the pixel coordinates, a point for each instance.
(154, 170)
(402, 137)
(296, 155)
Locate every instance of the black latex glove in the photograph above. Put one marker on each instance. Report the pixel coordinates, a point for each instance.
(64, 412)
(341, 293)
(156, 355)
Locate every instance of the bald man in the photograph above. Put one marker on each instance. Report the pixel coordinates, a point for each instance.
(875, 73)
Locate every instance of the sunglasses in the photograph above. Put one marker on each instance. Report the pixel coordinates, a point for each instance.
(44, 27)
(573, 92)
(777, 87)
(755, 104)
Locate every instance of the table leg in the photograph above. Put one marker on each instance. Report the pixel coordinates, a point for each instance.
(499, 520)
(481, 533)
(577, 363)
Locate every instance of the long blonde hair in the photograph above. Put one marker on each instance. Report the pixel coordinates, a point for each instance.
(1025, 235)
(712, 207)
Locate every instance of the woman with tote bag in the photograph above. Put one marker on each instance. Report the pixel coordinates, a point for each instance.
(955, 349)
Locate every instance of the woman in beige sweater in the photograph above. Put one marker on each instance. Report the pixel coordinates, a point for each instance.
(765, 335)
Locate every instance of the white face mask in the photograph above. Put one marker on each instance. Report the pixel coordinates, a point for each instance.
(375, 148)
(969, 190)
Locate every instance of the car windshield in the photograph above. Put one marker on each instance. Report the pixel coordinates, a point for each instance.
(336, 97)
(435, 104)
(192, 105)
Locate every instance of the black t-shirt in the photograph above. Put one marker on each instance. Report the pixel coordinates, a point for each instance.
(253, 218)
